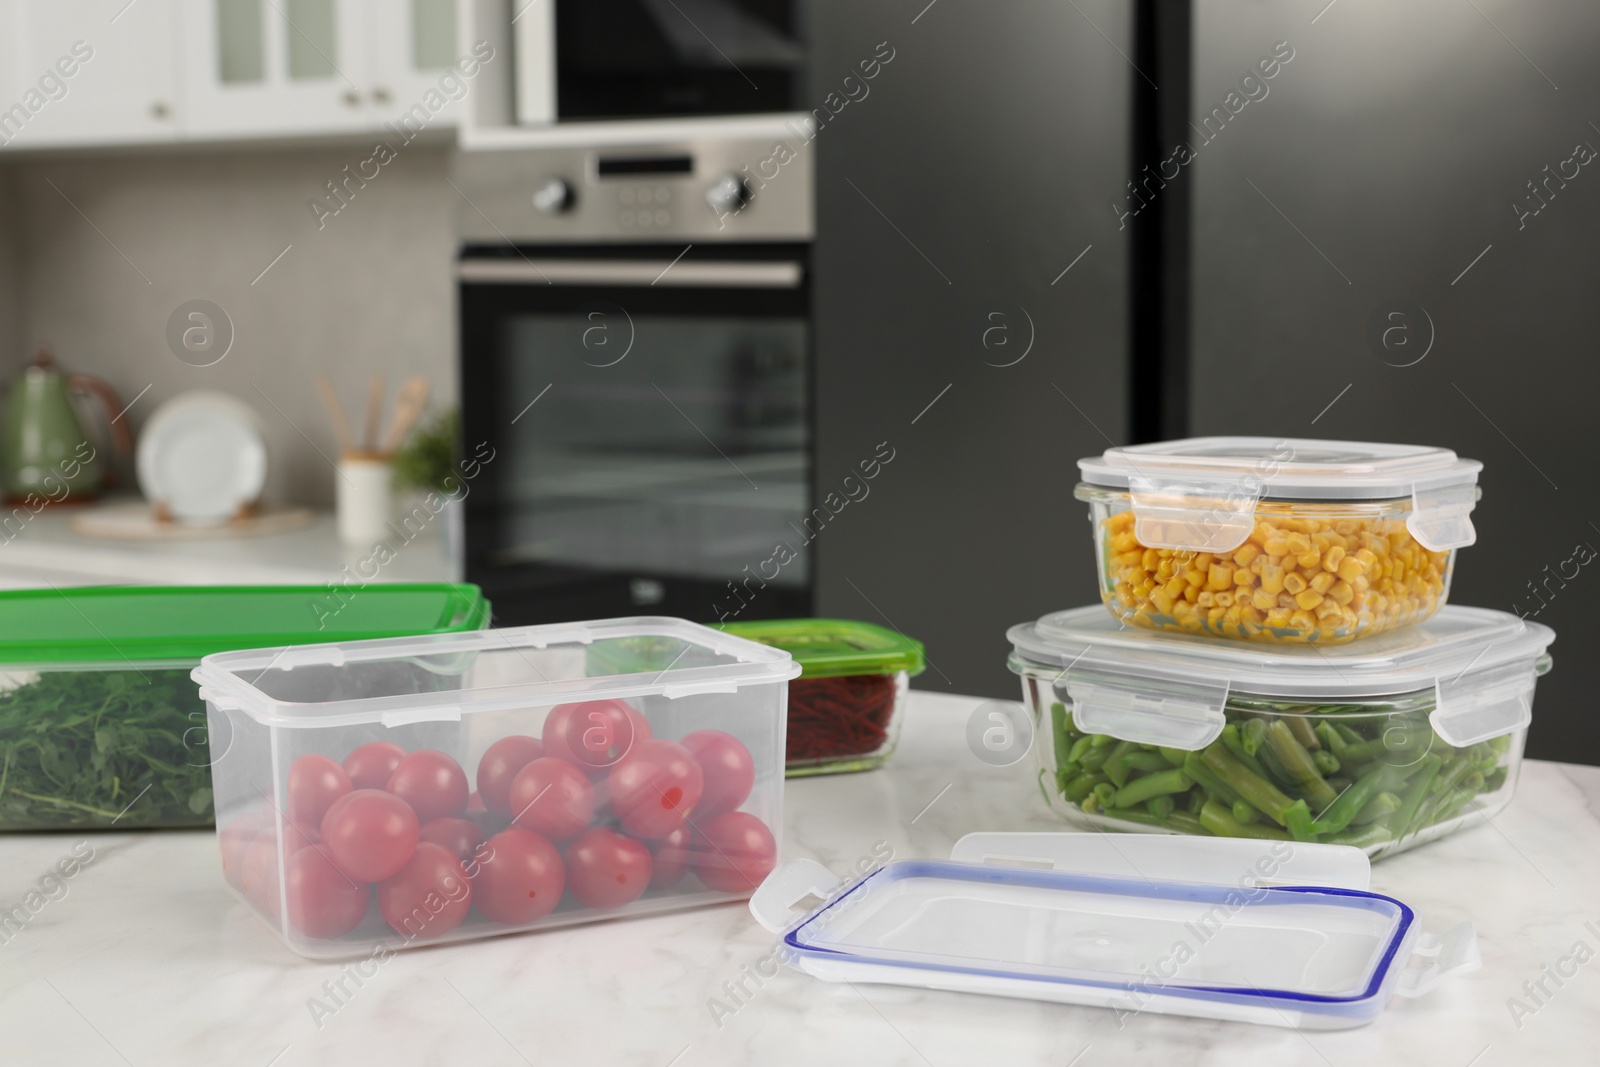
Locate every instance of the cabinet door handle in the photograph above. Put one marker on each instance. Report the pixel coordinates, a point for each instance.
(352, 98)
(380, 95)
(160, 109)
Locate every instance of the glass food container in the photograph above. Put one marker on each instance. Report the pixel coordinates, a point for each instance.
(846, 707)
(100, 725)
(1277, 539)
(386, 794)
(1383, 744)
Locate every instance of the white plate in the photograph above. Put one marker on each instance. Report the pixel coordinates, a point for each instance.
(201, 457)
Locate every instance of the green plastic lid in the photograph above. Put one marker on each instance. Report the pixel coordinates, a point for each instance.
(829, 648)
(116, 624)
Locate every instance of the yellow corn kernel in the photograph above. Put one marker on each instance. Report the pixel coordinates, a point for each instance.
(1293, 584)
(1243, 578)
(1223, 600)
(1366, 556)
(1245, 554)
(1351, 568)
(1298, 543)
(1219, 576)
(1308, 599)
(1174, 589)
(1332, 559)
(1190, 591)
(1309, 559)
(1328, 612)
(1322, 581)
(1263, 600)
(1272, 578)
(1341, 593)
(1161, 601)
(1205, 599)
(1277, 618)
(1151, 559)
(1276, 546)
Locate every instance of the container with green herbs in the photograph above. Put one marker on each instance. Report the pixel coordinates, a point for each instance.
(100, 724)
(1382, 744)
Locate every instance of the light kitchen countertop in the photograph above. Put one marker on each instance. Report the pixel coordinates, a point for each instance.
(46, 551)
(150, 960)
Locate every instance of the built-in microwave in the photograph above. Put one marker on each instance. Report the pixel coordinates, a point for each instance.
(583, 60)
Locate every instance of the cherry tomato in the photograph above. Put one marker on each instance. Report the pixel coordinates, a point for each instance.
(551, 797)
(594, 734)
(322, 901)
(734, 852)
(499, 766)
(258, 878)
(429, 896)
(670, 858)
(460, 836)
(654, 788)
(370, 766)
(314, 783)
(432, 783)
(606, 869)
(370, 834)
(520, 878)
(729, 771)
(235, 839)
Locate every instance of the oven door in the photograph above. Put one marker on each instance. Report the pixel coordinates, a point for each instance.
(649, 423)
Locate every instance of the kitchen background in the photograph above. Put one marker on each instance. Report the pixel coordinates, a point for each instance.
(988, 294)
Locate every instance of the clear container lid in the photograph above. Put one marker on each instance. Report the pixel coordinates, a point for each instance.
(1255, 931)
(1169, 689)
(1200, 493)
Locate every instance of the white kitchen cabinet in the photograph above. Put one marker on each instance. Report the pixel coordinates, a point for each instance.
(274, 67)
(411, 43)
(86, 72)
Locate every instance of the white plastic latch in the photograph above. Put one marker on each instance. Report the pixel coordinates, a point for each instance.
(1193, 514)
(674, 690)
(1441, 515)
(434, 713)
(1477, 705)
(774, 903)
(1453, 952)
(1171, 712)
(1241, 862)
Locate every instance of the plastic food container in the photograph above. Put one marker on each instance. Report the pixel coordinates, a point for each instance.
(1248, 931)
(1271, 539)
(100, 726)
(1383, 744)
(846, 707)
(385, 794)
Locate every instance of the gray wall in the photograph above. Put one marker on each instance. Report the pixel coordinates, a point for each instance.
(993, 142)
(371, 292)
(1397, 141)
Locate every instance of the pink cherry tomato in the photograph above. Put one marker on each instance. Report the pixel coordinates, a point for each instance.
(606, 869)
(370, 766)
(594, 734)
(322, 901)
(500, 764)
(460, 836)
(734, 852)
(670, 858)
(729, 771)
(314, 783)
(519, 879)
(432, 783)
(428, 897)
(235, 839)
(551, 797)
(654, 788)
(370, 834)
(258, 878)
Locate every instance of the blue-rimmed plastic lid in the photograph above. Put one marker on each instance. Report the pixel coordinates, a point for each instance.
(1273, 932)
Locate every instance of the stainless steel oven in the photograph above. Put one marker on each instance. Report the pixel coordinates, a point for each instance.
(647, 399)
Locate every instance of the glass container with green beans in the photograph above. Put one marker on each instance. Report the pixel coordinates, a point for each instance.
(1168, 733)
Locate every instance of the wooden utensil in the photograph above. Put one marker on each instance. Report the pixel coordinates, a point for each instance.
(369, 439)
(341, 428)
(407, 409)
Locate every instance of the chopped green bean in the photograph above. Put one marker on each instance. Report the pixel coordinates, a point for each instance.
(1376, 808)
(1326, 762)
(1245, 812)
(1251, 786)
(1152, 785)
(1161, 806)
(1251, 735)
(1300, 726)
(1220, 821)
(1115, 768)
(1298, 764)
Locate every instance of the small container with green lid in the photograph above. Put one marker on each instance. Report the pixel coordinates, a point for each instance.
(100, 724)
(845, 708)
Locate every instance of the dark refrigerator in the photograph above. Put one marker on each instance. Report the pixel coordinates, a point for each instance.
(1391, 242)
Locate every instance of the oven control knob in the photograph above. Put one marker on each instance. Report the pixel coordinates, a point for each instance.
(553, 196)
(728, 193)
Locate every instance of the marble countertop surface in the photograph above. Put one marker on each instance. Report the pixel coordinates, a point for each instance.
(149, 960)
(45, 550)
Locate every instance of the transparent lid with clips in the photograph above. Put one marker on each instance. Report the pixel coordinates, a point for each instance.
(1271, 932)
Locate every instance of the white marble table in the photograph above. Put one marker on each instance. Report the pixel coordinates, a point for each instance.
(148, 960)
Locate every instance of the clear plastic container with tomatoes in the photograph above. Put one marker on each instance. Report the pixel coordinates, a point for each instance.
(403, 792)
